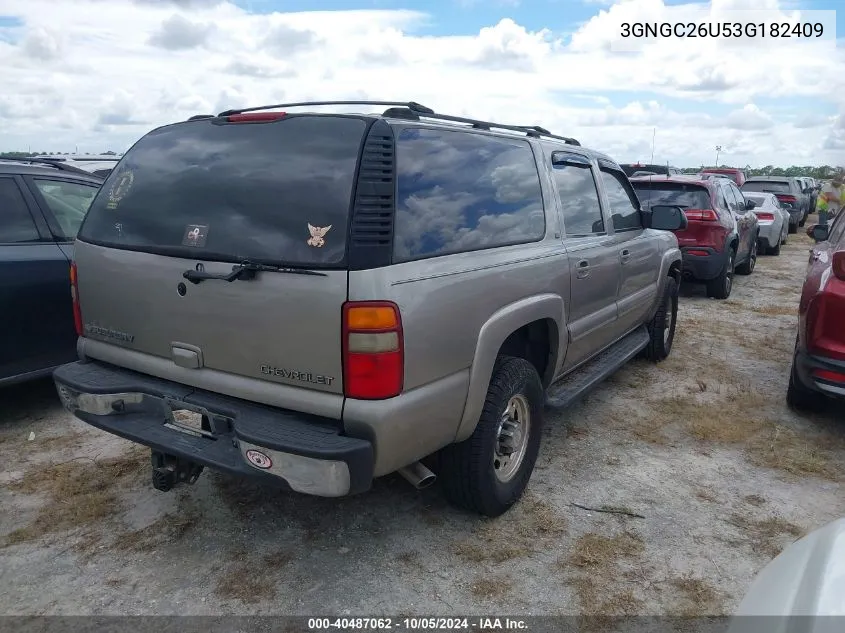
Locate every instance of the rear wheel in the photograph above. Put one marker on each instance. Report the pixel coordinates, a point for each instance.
(774, 250)
(793, 228)
(747, 267)
(721, 286)
(661, 329)
(488, 472)
(800, 398)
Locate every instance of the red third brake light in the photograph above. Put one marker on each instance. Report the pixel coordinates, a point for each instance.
(74, 294)
(373, 350)
(785, 198)
(701, 215)
(764, 215)
(255, 117)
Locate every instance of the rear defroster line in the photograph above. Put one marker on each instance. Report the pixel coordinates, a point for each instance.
(245, 271)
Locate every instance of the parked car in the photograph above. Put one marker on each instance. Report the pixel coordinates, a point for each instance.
(664, 170)
(722, 233)
(773, 220)
(790, 193)
(317, 338)
(99, 165)
(800, 590)
(638, 174)
(737, 175)
(42, 207)
(818, 364)
(809, 185)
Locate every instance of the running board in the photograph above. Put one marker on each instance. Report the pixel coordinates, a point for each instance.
(577, 384)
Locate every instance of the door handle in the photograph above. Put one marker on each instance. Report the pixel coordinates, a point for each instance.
(583, 268)
(625, 255)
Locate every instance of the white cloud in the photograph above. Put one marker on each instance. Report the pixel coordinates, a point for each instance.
(100, 73)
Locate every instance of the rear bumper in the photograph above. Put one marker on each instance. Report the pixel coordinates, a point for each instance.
(703, 267)
(768, 235)
(806, 364)
(306, 453)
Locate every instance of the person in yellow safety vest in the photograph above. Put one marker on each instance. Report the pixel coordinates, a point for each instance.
(831, 199)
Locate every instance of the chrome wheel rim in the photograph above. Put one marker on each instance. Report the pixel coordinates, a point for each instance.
(669, 319)
(512, 438)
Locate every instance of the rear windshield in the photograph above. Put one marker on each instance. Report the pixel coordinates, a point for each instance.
(655, 169)
(769, 186)
(682, 195)
(276, 192)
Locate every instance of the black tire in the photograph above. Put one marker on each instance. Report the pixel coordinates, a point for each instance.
(793, 228)
(721, 286)
(800, 398)
(774, 250)
(802, 222)
(747, 267)
(467, 469)
(661, 328)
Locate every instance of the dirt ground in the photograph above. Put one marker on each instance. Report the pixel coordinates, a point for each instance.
(701, 446)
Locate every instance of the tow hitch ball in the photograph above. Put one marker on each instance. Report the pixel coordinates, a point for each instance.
(168, 471)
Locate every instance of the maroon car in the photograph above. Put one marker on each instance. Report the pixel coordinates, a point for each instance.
(818, 365)
(737, 175)
(722, 229)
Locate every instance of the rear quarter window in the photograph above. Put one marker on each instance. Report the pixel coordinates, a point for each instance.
(462, 191)
(680, 194)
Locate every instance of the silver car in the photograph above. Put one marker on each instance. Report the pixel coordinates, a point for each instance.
(773, 221)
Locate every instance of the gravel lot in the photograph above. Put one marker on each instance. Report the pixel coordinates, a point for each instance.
(702, 446)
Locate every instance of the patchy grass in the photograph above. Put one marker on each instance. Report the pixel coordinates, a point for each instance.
(169, 528)
(599, 603)
(754, 500)
(531, 526)
(791, 310)
(766, 536)
(706, 494)
(785, 450)
(595, 550)
(247, 582)
(79, 492)
(698, 597)
(491, 587)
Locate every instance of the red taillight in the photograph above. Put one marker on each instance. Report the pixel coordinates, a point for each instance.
(701, 215)
(697, 253)
(373, 350)
(255, 117)
(830, 376)
(765, 216)
(74, 294)
(785, 198)
(839, 265)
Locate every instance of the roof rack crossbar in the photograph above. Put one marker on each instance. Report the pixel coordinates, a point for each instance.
(52, 163)
(419, 110)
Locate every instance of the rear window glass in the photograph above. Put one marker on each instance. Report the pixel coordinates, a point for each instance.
(682, 195)
(275, 192)
(461, 191)
(769, 186)
(732, 175)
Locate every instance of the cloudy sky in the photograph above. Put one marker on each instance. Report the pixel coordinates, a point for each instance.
(97, 74)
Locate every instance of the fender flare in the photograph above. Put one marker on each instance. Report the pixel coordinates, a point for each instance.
(670, 256)
(493, 334)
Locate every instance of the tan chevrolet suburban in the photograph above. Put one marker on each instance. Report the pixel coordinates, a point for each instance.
(318, 299)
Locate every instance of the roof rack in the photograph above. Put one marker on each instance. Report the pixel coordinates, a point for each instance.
(52, 163)
(414, 111)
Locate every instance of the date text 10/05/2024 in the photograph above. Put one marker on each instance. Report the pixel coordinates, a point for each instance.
(417, 624)
(722, 29)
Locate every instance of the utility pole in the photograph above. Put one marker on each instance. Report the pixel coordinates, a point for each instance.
(718, 149)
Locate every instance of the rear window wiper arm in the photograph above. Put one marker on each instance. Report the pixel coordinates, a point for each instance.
(245, 271)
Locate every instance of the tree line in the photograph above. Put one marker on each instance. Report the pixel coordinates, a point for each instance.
(818, 172)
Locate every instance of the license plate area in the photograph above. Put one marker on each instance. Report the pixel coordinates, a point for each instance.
(188, 420)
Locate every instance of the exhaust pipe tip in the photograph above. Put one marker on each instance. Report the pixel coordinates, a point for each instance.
(418, 475)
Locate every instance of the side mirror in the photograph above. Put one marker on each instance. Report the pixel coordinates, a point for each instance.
(667, 217)
(749, 204)
(819, 232)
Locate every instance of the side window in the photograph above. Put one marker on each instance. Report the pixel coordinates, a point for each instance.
(721, 200)
(68, 201)
(740, 199)
(837, 230)
(460, 191)
(579, 197)
(16, 225)
(624, 205)
(730, 196)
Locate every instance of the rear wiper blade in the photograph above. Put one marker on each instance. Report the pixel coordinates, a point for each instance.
(245, 271)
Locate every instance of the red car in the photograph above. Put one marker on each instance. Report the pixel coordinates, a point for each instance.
(818, 365)
(722, 230)
(737, 175)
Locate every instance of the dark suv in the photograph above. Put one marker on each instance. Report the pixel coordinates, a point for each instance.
(793, 195)
(41, 207)
(319, 299)
(722, 232)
